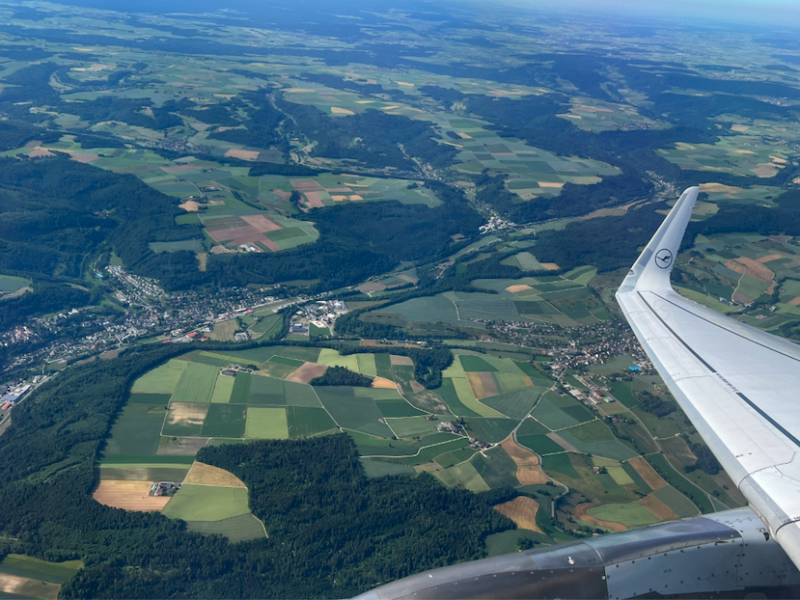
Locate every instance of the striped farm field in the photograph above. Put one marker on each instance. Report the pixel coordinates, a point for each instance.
(196, 383)
(223, 389)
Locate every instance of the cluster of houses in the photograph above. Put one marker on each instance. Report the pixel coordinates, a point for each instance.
(164, 488)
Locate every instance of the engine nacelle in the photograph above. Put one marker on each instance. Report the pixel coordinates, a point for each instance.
(728, 554)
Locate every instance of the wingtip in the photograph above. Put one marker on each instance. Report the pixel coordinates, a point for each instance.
(653, 268)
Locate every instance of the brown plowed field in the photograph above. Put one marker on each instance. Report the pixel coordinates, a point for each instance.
(522, 510)
(529, 471)
(208, 475)
(660, 511)
(130, 495)
(580, 514)
(401, 361)
(644, 469)
(753, 268)
(489, 384)
(261, 223)
(306, 372)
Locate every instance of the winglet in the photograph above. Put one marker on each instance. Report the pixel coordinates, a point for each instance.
(654, 266)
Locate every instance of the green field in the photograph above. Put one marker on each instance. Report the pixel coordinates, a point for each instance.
(397, 408)
(299, 394)
(672, 477)
(241, 388)
(307, 421)
(375, 467)
(266, 390)
(242, 528)
(266, 423)
(516, 404)
(195, 502)
(632, 514)
(591, 432)
(42, 570)
(474, 364)
(411, 426)
(493, 431)
(225, 420)
(347, 409)
(196, 383)
(541, 444)
(9, 283)
(223, 388)
(161, 380)
(136, 430)
(464, 476)
(128, 473)
(560, 463)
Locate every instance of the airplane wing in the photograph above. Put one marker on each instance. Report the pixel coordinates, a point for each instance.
(739, 386)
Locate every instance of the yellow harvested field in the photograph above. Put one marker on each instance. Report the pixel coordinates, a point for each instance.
(306, 372)
(463, 135)
(335, 110)
(243, 154)
(209, 475)
(550, 184)
(777, 159)
(529, 471)
(765, 171)
(644, 469)
(719, 187)
(739, 128)
(130, 495)
(190, 206)
(392, 107)
(404, 83)
(550, 266)
(751, 268)
(770, 257)
(383, 384)
(660, 511)
(477, 386)
(338, 198)
(355, 197)
(744, 152)
(39, 153)
(298, 90)
(364, 101)
(522, 510)
(23, 587)
(518, 288)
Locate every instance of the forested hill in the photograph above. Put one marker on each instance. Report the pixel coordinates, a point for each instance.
(58, 216)
(333, 532)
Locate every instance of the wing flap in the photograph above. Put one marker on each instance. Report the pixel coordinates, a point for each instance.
(737, 385)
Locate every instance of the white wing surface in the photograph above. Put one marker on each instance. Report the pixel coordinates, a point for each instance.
(739, 386)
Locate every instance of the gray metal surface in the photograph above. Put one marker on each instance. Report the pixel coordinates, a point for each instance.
(726, 553)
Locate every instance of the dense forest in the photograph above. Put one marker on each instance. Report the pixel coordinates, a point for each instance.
(342, 376)
(330, 536)
(373, 138)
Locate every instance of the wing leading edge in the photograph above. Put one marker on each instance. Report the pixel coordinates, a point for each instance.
(738, 385)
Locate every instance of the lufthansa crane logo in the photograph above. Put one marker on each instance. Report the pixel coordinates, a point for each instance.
(664, 258)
